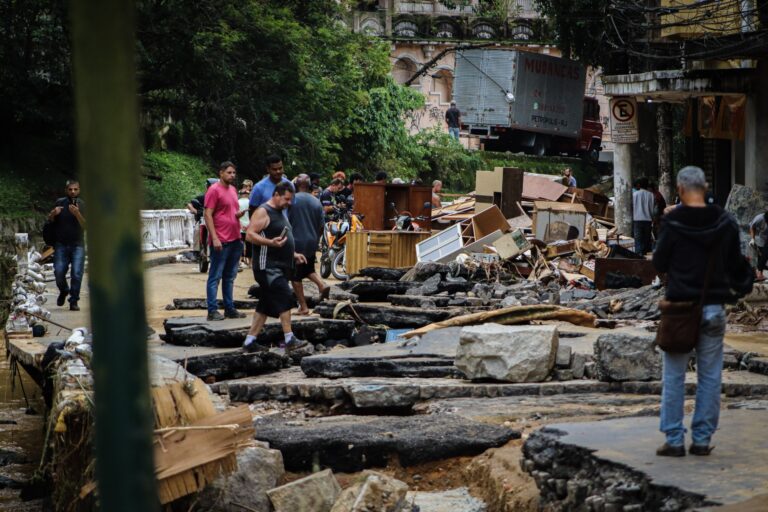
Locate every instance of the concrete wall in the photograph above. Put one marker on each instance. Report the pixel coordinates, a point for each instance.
(756, 132)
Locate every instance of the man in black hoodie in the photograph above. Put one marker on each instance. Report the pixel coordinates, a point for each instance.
(690, 234)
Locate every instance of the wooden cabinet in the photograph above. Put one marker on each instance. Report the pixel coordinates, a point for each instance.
(374, 201)
(388, 249)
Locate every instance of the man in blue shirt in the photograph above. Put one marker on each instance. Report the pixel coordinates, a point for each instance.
(263, 190)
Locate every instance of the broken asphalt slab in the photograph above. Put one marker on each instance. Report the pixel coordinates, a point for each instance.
(431, 356)
(592, 454)
(353, 443)
(230, 333)
(292, 384)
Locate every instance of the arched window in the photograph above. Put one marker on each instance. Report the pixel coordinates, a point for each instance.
(403, 70)
(371, 27)
(521, 32)
(442, 83)
(483, 31)
(406, 29)
(445, 30)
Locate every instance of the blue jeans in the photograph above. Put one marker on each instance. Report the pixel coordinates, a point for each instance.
(454, 132)
(224, 265)
(67, 255)
(709, 368)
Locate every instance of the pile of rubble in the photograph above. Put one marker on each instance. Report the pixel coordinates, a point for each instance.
(260, 468)
(28, 291)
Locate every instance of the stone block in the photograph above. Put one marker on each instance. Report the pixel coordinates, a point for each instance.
(258, 470)
(383, 395)
(315, 493)
(590, 370)
(507, 353)
(563, 359)
(578, 364)
(428, 287)
(624, 357)
(373, 491)
(563, 374)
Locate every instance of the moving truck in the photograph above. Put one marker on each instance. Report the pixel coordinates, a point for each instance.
(523, 101)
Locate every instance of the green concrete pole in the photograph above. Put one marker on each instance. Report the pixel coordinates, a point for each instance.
(103, 47)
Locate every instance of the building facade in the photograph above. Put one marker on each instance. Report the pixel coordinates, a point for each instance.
(420, 31)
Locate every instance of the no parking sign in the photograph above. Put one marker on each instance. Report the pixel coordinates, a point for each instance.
(624, 120)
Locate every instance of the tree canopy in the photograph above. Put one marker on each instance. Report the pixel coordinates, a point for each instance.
(221, 79)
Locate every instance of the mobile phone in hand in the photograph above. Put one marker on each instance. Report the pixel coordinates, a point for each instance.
(283, 232)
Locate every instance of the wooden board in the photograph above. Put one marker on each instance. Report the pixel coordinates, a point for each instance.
(373, 200)
(387, 249)
(536, 187)
(187, 460)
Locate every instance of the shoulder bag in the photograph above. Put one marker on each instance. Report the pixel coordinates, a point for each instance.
(678, 331)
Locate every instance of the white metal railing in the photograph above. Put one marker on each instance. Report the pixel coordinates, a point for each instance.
(163, 230)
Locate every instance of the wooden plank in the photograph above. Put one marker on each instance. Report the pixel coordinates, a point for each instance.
(187, 460)
(536, 187)
(369, 201)
(357, 251)
(511, 191)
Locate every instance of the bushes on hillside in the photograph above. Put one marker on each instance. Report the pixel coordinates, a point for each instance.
(172, 179)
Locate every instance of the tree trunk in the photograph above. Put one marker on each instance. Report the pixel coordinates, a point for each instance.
(104, 70)
(664, 128)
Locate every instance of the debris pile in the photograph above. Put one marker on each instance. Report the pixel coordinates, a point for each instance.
(28, 290)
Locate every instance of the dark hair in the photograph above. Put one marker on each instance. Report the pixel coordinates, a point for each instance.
(313, 176)
(643, 182)
(223, 166)
(283, 187)
(273, 159)
(337, 181)
(356, 177)
(71, 182)
(381, 175)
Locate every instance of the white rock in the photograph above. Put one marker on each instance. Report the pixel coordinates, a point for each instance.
(315, 493)
(507, 353)
(258, 470)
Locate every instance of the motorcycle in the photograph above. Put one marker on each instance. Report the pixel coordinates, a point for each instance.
(333, 243)
(201, 246)
(404, 221)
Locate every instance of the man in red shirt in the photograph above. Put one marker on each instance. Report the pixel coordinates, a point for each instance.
(225, 248)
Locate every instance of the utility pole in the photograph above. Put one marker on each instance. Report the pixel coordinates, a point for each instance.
(104, 56)
(664, 135)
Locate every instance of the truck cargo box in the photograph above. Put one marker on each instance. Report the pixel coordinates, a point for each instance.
(519, 90)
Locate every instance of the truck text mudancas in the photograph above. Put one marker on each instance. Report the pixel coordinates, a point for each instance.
(550, 68)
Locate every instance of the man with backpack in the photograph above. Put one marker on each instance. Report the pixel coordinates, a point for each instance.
(66, 231)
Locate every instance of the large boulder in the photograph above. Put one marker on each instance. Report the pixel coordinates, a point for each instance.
(373, 491)
(507, 353)
(258, 470)
(315, 493)
(623, 357)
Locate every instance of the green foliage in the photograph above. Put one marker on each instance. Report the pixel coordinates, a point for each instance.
(379, 140)
(449, 162)
(579, 27)
(172, 179)
(16, 195)
(237, 80)
(220, 79)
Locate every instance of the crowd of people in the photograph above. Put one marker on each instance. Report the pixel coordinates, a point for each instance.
(274, 226)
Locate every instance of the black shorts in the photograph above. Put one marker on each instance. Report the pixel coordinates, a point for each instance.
(303, 270)
(275, 293)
